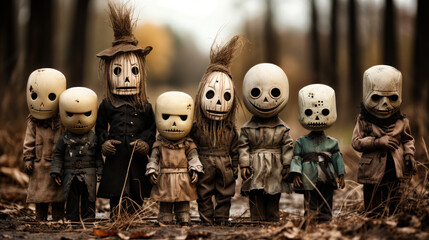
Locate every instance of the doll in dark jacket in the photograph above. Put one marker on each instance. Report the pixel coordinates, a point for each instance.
(383, 135)
(125, 123)
(76, 165)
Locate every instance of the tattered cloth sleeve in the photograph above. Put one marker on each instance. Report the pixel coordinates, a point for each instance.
(102, 125)
(153, 164)
(233, 149)
(148, 135)
(407, 139)
(296, 163)
(29, 145)
(194, 163)
(361, 142)
(337, 160)
(57, 165)
(99, 163)
(243, 149)
(287, 149)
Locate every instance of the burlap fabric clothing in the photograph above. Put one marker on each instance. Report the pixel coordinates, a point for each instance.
(39, 145)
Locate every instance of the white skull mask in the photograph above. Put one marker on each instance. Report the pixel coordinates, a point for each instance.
(218, 96)
(174, 114)
(265, 90)
(317, 110)
(78, 109)
(125, 74)
(382, 90)
(44, 88)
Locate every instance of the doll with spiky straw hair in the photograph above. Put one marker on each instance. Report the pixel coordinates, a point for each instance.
(125, 124)
(215, 134)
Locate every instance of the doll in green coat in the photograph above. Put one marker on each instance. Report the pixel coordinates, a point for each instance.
(317, 161)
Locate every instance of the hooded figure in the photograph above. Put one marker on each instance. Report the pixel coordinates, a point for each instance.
(215, 134)
(125, 123)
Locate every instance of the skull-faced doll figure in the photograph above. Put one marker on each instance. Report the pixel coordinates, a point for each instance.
(383, 136)
(76, 163)
(317, 161)
(125, 125)
(216, 136)
(265, 145)
(174, 165)
(44, 127)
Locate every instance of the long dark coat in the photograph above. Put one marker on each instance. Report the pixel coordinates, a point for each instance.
(126, 125)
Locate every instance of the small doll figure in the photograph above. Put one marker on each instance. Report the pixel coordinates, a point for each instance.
(76, 165)
(126, 122)
(383, 135)
(317, 161)
(174, 165)
(265, 145)
(44, 127)
(216, 136)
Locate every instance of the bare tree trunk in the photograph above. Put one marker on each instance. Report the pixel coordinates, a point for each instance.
(355, 76)
(76, 50)
(333, 74)
(272, 49)
(389, 35)
(314, 39)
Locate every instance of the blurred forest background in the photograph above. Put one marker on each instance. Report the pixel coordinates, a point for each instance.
(314, 41)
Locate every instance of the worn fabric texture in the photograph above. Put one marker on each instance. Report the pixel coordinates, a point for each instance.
(264, 207)
(218, 180)
(373, 160)
(265, 146)
(39, 145)
(180, 209)
(314, 204)
(122, 122)
(173, 162)
(78, 196)
(75, 157)
(302, 163)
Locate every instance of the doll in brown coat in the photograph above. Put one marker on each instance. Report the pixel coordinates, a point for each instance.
(383, 136)
(44, 127)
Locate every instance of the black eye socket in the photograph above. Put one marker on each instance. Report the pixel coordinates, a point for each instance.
(69, 114)
(209, 94)
(33, 96)
(117, 70)
(308, 112)
(375, 97)
(275, 92)
(135, 70)
(325, 112)
(88, 113)
(394, 98)
(52, 96)
(183, 117)
(255, 92)
(165, 116)
(227, 96)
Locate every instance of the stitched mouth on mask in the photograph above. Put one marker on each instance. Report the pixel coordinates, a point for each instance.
(314, 124)
(80, 127)
(216, 112)
(126, 88)
(40, 110)
(174, 131)
(266, 109)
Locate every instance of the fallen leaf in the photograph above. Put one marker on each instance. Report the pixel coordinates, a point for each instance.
(123, 236)
(140, 235)
(102, 233)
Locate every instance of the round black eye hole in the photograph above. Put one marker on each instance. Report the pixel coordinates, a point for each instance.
(394, 98)
(275, 92)
(375, 97)
(117, 70)
(227, 96)
(255, 92)
(325, 112)
(135, 70)
(52, 96)
(88, 113)
(183, 117)
(209, 94)
(165, 116)
(33, 96)
(69, 114)
(308, 112)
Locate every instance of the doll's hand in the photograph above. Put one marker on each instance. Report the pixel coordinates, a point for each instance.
(28, 167)
(297, 182)
(98, 178)
(341, 182)
(57, 178)
(387, 143)
(194, 177)
(410, 165)
(245, 173)
(285, 172)
(142, 148)
(235, 172)
(108, 148)
(153, 178)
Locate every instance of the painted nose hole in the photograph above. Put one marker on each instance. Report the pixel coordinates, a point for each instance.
(79, 122)
(174, 124)
(265, 100)
(42, 105)
(127, 80)
(218, 102)
(317, 117)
